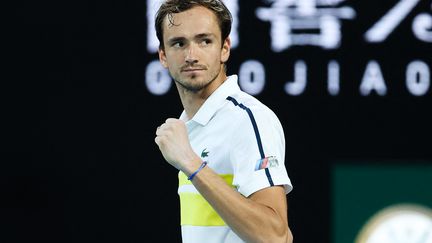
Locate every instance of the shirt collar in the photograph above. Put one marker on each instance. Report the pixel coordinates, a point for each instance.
(214, 101)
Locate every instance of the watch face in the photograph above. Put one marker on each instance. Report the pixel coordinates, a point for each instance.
(398, 224)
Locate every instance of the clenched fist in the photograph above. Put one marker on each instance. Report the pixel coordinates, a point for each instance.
(173, 142)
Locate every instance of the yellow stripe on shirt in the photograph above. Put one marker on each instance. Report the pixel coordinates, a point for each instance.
(194, 209)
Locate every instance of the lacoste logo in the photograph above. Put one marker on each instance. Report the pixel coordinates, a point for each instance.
(204, 153)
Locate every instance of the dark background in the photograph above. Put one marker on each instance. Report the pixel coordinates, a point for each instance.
(79, 162)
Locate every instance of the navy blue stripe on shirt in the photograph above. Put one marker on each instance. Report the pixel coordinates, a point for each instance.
(257, 135)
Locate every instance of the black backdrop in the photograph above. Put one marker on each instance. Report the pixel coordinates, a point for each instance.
(80, 163)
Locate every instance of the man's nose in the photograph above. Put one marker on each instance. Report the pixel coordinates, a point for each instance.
(191, 56)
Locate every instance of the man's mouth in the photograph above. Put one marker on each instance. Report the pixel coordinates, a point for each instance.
(192, 69)
(189, 69)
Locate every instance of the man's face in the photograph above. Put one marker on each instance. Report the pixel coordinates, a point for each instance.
(193, 52)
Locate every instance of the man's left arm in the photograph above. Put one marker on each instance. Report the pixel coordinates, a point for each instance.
(261, 217)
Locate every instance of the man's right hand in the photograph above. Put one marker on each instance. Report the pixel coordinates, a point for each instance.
(173, 141)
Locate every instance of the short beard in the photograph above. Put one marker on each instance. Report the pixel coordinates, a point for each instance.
(195, 88)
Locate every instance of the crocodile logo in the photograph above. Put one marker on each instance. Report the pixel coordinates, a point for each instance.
(204, 153)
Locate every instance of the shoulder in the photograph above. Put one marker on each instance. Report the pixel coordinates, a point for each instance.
(245, 104)
(248, 113)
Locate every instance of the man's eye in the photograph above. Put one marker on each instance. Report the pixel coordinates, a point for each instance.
(206, 41)
(178, 44)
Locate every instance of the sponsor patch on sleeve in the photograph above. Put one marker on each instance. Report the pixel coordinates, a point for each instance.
(266, 162)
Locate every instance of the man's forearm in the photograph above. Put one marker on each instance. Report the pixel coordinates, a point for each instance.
(250, 220)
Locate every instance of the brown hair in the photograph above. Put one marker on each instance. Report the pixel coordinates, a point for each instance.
(170, 7)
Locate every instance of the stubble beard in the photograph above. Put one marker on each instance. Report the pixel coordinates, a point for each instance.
(192, 86)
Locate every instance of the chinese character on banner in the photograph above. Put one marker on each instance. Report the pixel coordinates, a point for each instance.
(305, 22)
(421, 25)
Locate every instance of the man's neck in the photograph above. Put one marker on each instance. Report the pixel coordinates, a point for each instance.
(192, 101)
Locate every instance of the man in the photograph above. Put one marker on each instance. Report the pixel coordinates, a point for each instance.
(229, 148)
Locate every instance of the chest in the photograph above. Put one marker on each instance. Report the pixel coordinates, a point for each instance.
(213, 144)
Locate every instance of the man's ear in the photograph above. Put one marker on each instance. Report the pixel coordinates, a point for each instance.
(162, 57)
(225, 52)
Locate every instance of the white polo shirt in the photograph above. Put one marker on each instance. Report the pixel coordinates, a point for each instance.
(243, 141)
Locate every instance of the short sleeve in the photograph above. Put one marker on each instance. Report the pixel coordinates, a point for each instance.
(258, 152)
